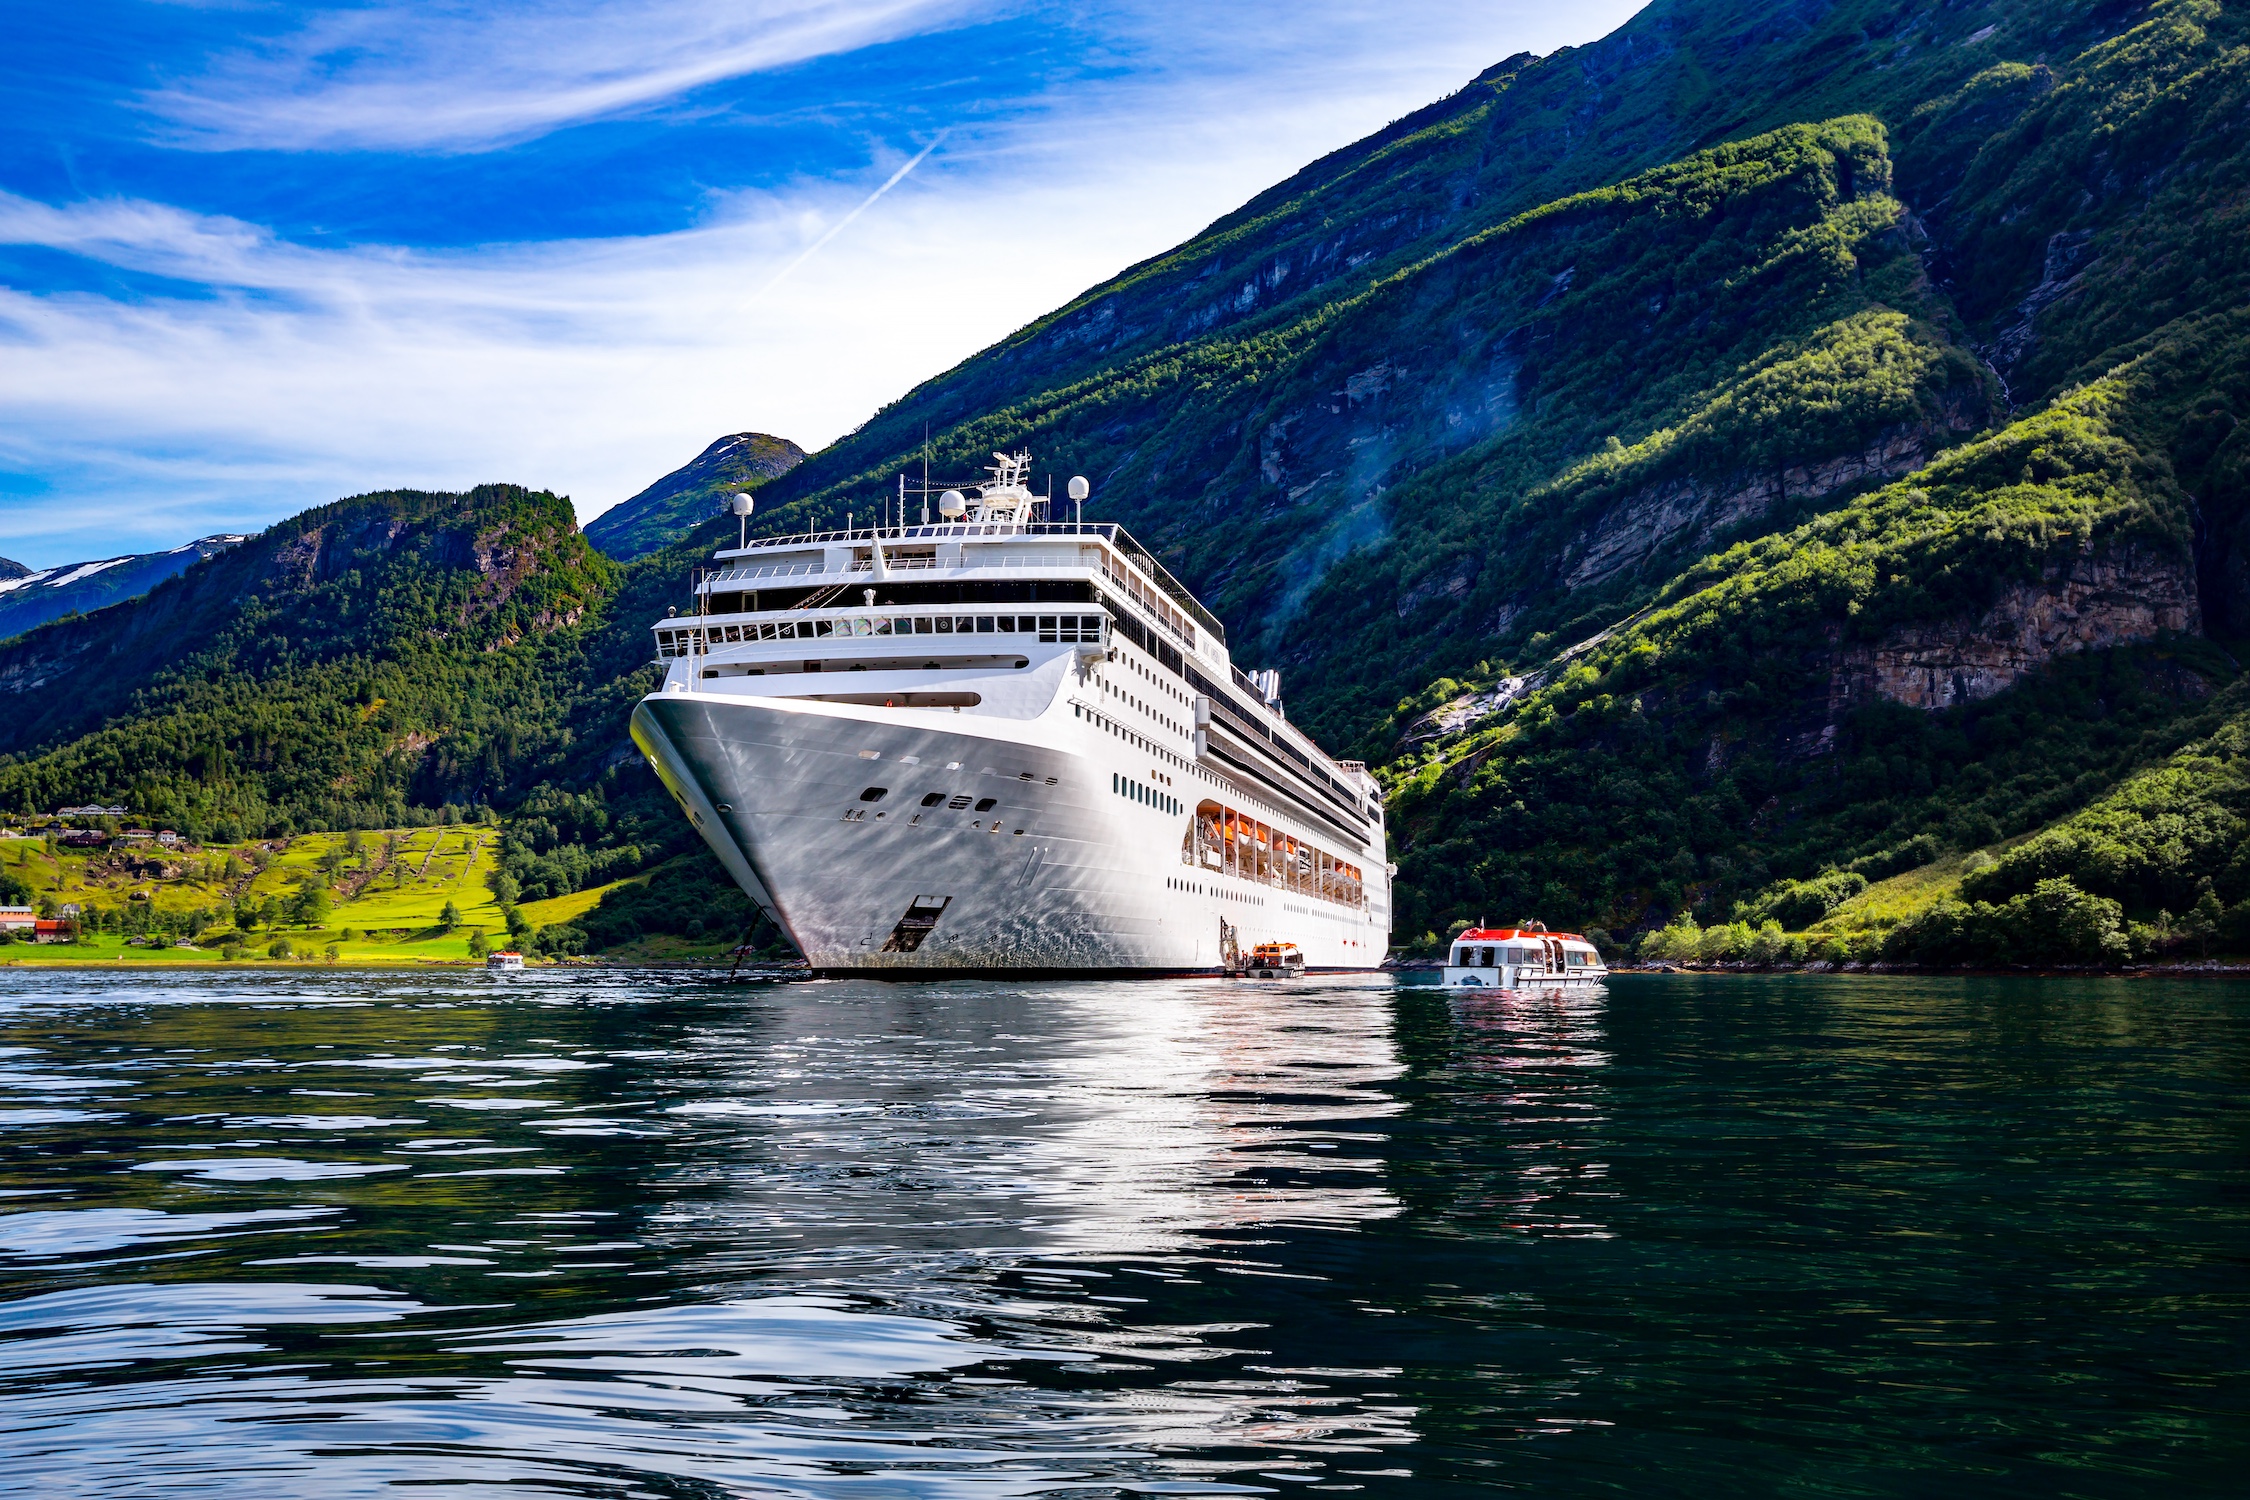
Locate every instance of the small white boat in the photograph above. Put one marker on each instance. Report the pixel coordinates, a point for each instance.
(1522, 958)
(1275, 961)
(506, 960)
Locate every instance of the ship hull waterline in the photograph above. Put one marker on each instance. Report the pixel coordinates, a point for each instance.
(1041, 873)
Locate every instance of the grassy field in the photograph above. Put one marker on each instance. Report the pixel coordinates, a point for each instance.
(387, 896)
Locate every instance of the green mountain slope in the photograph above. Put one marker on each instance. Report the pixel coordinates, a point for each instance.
(1766, 451)
(690, 495)
(394, 650)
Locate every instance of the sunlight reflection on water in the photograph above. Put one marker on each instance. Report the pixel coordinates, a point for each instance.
(600, 1234)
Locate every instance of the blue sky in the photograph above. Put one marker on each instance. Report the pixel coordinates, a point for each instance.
(254, 256)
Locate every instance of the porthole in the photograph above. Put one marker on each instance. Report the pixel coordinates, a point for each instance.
(933, 799)
(985, 804)
(875, 794)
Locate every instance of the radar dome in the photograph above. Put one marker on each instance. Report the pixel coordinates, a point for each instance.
(951, 506)
(1079, 488)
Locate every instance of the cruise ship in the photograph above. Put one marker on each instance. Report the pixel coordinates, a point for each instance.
(991, 741)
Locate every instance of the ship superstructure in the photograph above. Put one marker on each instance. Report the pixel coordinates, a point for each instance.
(994, 741)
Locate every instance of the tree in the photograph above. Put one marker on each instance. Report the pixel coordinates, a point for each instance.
(449, 918)
(478, 947)
(312, 906)
(2202, 924)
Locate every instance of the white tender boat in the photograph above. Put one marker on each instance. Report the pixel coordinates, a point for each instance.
(1522, 958)
(504, 960)
(998, 742)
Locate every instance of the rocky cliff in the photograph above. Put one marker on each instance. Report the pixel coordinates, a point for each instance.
(2096, 602)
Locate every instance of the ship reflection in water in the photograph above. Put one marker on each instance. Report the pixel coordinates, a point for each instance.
(813, 1239)
(587, 1234)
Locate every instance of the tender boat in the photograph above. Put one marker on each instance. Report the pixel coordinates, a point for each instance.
(1275, 961)
(503, 961)
(1522, 958)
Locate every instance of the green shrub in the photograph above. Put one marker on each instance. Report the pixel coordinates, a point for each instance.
(1798, 904)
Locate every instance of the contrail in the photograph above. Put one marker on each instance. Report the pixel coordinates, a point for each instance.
(839, 226)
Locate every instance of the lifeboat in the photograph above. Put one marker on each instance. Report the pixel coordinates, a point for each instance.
(1275, 961)
(506, 960)
(1522, 958)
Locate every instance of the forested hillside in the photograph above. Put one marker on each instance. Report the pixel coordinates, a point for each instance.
(1717, 474)
(691, 494)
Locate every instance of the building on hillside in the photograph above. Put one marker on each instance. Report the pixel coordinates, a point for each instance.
(167, 838)
(90, 810)
(53, 930)
(17, 919)
(84, 838)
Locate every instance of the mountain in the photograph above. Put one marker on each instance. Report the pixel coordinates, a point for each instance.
(394, 649)
(1887, 347)
(1778, 463)
(29, 598)
(673, 506)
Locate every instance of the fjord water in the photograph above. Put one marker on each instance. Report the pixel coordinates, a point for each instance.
(606, 1234)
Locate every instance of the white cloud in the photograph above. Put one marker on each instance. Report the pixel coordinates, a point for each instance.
(471, 76)
(299, 374)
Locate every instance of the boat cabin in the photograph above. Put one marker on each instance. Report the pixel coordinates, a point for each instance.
(1511, 957)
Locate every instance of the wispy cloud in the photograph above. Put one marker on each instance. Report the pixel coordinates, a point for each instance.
(213, 373)
(472, 76)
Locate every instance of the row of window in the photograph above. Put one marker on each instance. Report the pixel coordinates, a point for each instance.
(1128, 578)
(1050, 628)
(1223, 840)
(1466, 957)
(1146, 796)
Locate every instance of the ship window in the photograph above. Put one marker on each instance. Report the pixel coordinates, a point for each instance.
(1485, 954)
(861, 627)
(883, 626)
(1461, 957)
(922, 625)
(945, 625)
(824, 627)
(984, 804)
(875, 794)
(958, 802)
(1574, 958)
(984, 624)
(933, 799)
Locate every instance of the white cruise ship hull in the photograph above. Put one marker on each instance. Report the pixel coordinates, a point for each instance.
(1059, 874)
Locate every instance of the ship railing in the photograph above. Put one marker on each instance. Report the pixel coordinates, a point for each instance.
(943, 531)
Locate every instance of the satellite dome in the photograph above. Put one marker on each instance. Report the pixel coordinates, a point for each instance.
(951, 506)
